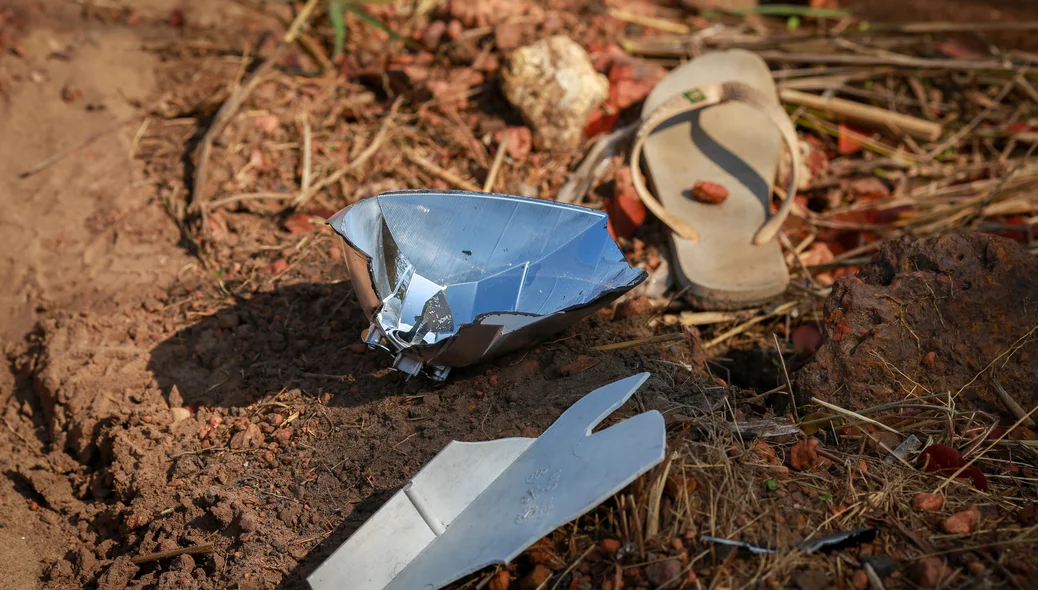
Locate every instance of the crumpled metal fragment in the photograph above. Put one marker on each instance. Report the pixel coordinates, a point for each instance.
(449, 278)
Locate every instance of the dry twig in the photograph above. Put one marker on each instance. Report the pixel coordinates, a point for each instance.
(195, 550)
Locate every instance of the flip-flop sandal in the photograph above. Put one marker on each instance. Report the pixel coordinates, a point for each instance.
(718, 119)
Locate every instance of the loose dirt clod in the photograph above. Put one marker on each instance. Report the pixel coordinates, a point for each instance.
(962, 301)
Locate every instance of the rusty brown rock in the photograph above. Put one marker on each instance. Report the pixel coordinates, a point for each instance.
(930, 572)
(610, 546)
(927, 502)
(709, 192)
(803, 456)
(937, 309)
(500, 581)
(664, 574)
(961, 523)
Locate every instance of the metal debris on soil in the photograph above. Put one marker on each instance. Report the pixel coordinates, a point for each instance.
(450, 278)
(477, 504)
(834, 542)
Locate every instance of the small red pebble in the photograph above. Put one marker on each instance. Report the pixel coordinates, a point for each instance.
(961, 523)
(454, 29)
(33, 506)
(712, 193)
(71, 94)
(501, 579)
(634, 307)
(680, 486)
(176, 18)
(930, 572)
(530, 367)
(929, 359)
(278, 266)
(764, 452)
(626, 211)
(537, 577)
(146, 419)
(520, 141)
(433, 33)
(927, 502)
(299, 224)
(807, 338)
(630, 80)
(860, 581)
(804, 455)
(610, 546)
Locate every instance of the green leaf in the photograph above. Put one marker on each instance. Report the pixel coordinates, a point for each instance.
(825, 497)
(772, 485)
(335, 14)
(792, 23)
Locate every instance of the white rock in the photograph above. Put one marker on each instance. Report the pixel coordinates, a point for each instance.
(555, 87)
(179, 414)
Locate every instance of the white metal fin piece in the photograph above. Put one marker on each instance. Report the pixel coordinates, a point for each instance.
(477, 504)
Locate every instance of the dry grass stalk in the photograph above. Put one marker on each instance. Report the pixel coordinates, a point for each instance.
(441, 173)
(896, 122)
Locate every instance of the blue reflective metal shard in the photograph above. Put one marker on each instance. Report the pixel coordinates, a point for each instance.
(448, 278)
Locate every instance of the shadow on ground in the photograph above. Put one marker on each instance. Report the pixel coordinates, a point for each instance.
(304, 336)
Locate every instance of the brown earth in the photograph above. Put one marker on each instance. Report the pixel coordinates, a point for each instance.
(294, 436)
(932, 316)
(112, 325)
